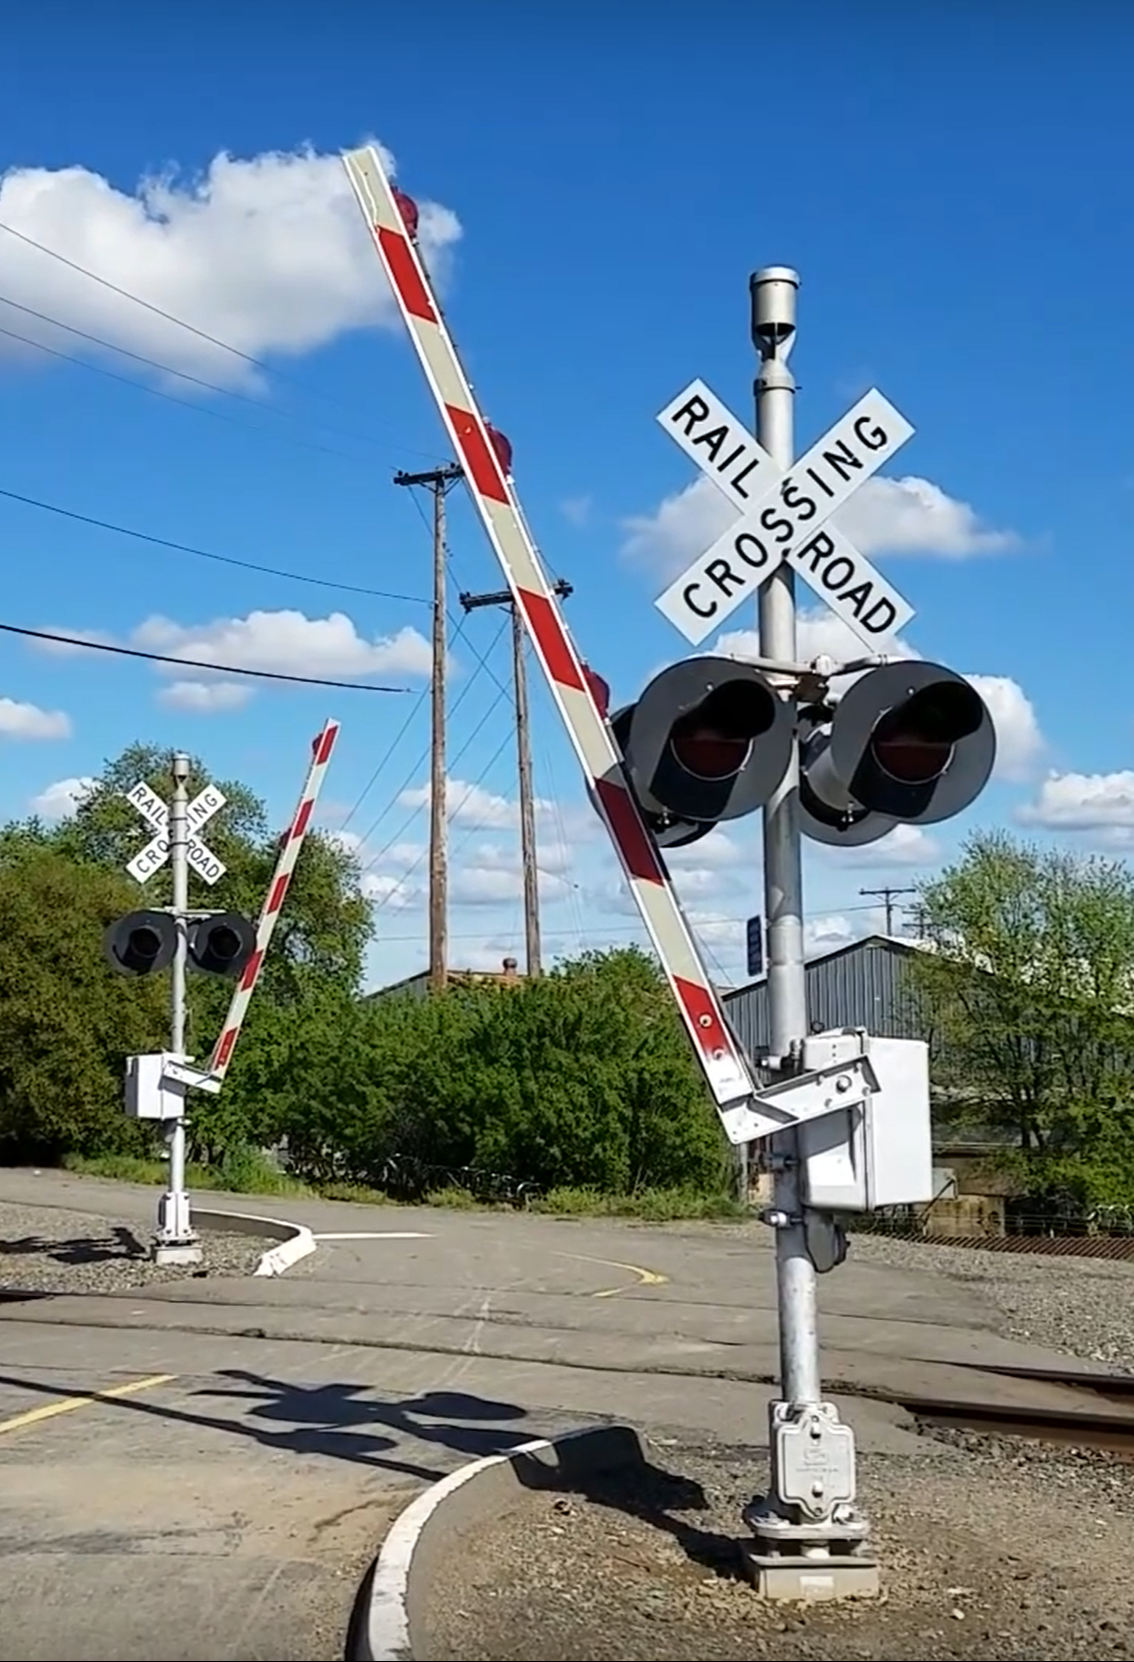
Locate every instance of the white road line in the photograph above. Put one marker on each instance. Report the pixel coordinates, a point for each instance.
(377, 1235)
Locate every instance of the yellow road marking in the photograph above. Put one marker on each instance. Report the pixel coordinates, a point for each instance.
(67, 1405)
(646, 1278)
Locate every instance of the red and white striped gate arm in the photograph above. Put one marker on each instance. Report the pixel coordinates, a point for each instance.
(290, 844)
(721, 1059)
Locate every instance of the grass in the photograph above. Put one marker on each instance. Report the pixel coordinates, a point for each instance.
(250, 1173)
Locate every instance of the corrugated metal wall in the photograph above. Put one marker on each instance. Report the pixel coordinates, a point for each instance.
(858, 987)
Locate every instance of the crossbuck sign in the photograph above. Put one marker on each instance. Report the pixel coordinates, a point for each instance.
(782, 515)
(156, 852)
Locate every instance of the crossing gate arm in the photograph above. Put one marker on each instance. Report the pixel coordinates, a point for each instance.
(291, 842)
(722, 1061)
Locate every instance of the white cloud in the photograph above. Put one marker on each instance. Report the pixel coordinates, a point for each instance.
(467, 804)
(884, 516)
(474, 805)
(905, 845)
(1020, 744)
(204, 697)
(28, 721)
(498, 886)
(577, 509)
(59, 800)
(268, 254)
(288, 642)
(828, 934)
(682, 526)
(913, 516)
(392, 893)
(1101, 804)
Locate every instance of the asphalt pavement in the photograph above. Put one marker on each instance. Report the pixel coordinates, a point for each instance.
(203, 1470)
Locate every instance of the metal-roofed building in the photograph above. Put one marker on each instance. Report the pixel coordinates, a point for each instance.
(861, 985)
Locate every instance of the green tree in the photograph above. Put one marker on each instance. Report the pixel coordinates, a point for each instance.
(582, 1078)
(1029, 993)
(317, 949)
(66, 1023)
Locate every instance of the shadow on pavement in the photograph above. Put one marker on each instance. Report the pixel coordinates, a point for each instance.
(341, 1421)
(112, 1244)
(639, 1489)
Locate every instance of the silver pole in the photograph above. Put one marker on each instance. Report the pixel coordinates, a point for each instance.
(176, 1242)
(809, 1532)
(773, 331)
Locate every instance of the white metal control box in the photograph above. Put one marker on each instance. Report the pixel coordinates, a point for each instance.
(150, 1093)
(878, 1151)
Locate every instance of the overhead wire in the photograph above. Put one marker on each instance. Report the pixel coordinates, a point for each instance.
(207, 554)
(193, 663)
(202, 334)
(420, 762)
(465, 797)
(413, 813)
(158, 392)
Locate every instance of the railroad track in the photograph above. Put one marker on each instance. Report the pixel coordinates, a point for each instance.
(1110, 1427)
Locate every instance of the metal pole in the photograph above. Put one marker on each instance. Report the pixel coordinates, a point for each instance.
(773, 328)
(808, 1531)
(528, 851)
(438, 805)
(176, 1242)
(439, 480)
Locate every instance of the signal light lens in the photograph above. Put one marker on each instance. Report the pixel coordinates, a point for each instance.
(714, 739)
(225, 944)
(914, 741)
(143, 946)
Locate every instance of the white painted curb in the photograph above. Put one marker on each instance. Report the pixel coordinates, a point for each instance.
(382, 1628)
(294, 1241)
(280, 1258)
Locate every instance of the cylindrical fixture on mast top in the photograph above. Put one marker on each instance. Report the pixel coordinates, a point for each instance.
(773, 290)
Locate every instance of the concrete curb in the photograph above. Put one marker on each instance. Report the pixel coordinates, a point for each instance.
(388, 1620)
(294, 1240)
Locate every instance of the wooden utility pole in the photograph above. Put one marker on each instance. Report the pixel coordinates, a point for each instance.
(886, 896)
(528, 850)
(439, 481)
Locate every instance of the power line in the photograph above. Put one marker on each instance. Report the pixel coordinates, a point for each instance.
(158, 392)
(207, 554)
(424, 755)
(192, 329)
(194, 663)
(469, 789)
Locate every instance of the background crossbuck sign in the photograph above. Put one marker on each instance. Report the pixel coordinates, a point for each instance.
(782, 515)
(151, 807)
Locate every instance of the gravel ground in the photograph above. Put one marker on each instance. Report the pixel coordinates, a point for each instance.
(1084, 1306)
(44, 1250)
(989, 1550)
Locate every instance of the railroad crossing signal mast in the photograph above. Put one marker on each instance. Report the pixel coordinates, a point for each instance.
(713, 738)
(178, 938)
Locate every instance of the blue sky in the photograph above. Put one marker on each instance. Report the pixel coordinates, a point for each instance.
(953, 184)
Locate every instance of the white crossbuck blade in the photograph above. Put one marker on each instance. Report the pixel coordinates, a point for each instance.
(783, 515)
(201, 858)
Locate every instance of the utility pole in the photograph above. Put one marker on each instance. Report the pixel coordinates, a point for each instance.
(176, 1242)
(439, 481)
(886, 896)
(528, 850)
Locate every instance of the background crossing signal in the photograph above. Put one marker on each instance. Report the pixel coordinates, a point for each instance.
(141, 943)
(221, 945)
(909, 743)
(708, 740)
